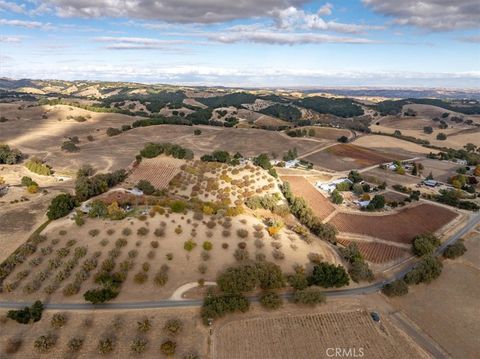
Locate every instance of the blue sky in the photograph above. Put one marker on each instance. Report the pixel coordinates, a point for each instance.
(432, 43)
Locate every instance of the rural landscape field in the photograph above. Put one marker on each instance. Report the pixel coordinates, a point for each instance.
(239, 180)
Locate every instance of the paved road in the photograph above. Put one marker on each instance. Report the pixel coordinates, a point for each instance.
(372, 288)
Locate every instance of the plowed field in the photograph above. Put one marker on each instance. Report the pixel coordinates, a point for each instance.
(399, 227)
(321, 206)
(312, 336)
(158, 171)
(376, 252)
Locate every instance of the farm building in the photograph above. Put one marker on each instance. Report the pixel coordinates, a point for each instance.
(430, 183)
(292, 163)
(330, 186)
(362, 204)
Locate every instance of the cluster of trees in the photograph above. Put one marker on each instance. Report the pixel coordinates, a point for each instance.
(114, 131)
(449, 154)
(376, 203)
(9, 156)
(94, 108)
(428, 269)
(245, 278)
(216, 306)
(453, 198)
(300, 209)
(284, 112)
(61, 205)
(301, 132)
(359, 269)
(341, 107)
(290, 155)
(268, 201)
(425, 244)
(328, 275)
(336, 197)
(263, 161)
(28, 314)
(233, 99)
(222, 157)
(153, 101)
(152, 150)
(32, 186)
(100, 295)
(88, 185)
(99, 209)
(37, 166)
(455, 250)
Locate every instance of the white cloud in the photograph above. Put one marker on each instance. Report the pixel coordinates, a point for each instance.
(282, 38)
(137, 43)
(435, 15)
(472, 39)
(292, 18)
(12, 7)
(11, 39)
(26, 24)
(182, 11)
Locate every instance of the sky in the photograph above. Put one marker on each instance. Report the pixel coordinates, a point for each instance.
(245, 43)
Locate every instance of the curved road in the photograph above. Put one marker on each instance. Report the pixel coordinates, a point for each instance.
(166, 303)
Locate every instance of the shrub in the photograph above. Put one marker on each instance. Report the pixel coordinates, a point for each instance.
(242, 233)
(142, 231)
(278, 254)
(455, 250)
(106, 346)
(144, 325)
(159, 232)
(271, 300)
(126, 232)
(395, 288)
(69, 146)
(140, 277)
(138, 346)
(94, 232)
(168, 347)
(207, 245)
(329, 275)
(74, 344)
(97, 296)
(58, 320)
(160, 279)
(173, 327)
(189, 245)
(241, 254)
(309, 296)
(154, 244)
(298, 280)
(178, 206)
(45, 342)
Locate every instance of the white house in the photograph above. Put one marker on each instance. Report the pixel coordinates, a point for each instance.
(430, 183)
(292, 163)
(331, 186)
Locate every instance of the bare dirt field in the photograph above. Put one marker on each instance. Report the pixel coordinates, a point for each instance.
(321, 206)
(392, 144)
(457, 134)
(441, 170)
(311, 336)
(328, 133)
(378, 175)
(109, 153)
(158, 171)
(447, 309)
(393, 196)
(120, 326)
(376, 252)
(343, 157)
(399, 227)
